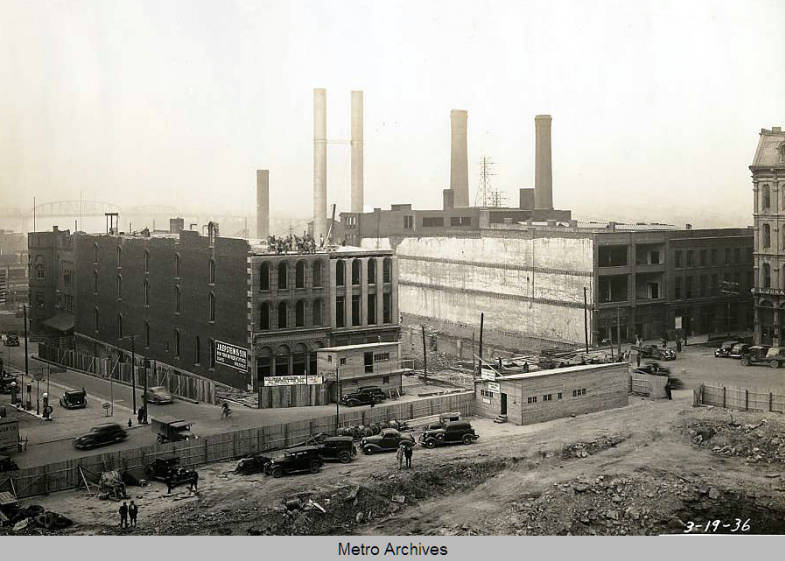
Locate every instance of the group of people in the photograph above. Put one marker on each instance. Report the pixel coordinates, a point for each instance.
(404, 453)
(128, 512)
(193, 481)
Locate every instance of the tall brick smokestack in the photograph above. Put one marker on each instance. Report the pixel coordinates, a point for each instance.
(459, 160)
(357, 151)
(319, 162)
(543, 179)
(262, 203)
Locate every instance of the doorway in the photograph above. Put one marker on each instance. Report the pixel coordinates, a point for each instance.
(504, 404)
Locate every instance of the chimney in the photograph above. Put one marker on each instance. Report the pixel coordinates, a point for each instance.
(543, 188)
(357, 151)
(262, 203)
(319, 162)
(459, 163)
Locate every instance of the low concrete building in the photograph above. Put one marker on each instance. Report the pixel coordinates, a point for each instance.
(540, 396)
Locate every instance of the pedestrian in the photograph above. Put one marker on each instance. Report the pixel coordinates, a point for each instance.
(194, 482)
(678, 344)
(400, 454)
(140, 415)
(668, 388)
(133, 511)
(638, 358)
(408, 454)
(123, 515)
(525, 366)
(169, 483)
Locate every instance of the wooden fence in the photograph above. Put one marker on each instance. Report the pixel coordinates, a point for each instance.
(740, 398)
(71, 474)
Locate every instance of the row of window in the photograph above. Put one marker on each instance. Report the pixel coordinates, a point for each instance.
(283, 319)
(211, 263)
(146, 293)
(710, 285)
(707, 257)
(550, 396)
(283, 314)
(437, 221)
(316, 273)
(356, 319)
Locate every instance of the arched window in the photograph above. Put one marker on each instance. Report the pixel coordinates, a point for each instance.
(282, 312)
(40, 270)
(299, 359)
(146, 260)
(299, 314)
(147, 334)
(387, 269)
(766, 235)
(766, 276)
(212, 271)
(372, 270)
(95, 252)
(197, 350)
(356, 271)
(119, 256)
(177, 299)
(146, 293)
(299, 275)
(282, 281)
(282, 361)
(766, 197)
(211, 349)
(95, 282)
(119, 326)
(340, 272)
(317, 312)
(316, 273)
(177, 342)
(119, 286)
(212, 306)
(264, 276)
(176, 264)
(96, 319)
(264, 316)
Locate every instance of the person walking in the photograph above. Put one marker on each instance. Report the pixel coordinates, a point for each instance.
(123, 515)
(408, 455)
(169, 483)
(400, 454)
(194, 482)
(638, 358)
(678, 344)
(668, 389)
(133, 511)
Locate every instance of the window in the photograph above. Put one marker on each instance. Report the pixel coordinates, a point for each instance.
(356, 309)
(766, 276)
(704, 286)
(264, 316)
(177, 299)
(381, 357)
(766, 235)
(299, 313)
(282, 313)
(212, 271)
(282, 271)
(119, 326)
(558, 395)
(211, 303)
(688, 287)
(96, 319)
(372, 271)
(654, 257)
(460, 221)
(119, 257)
(547, 397)
(264, 276)
(583, 391)
(486, 393)
(714, 259)
(67, 278)
(177, 342)
(766, 203)
(715, 287)
(146, 260)
(316, 273)
(197, 350)
(387, 307)
(408, 222)
(95, 282)
(299, 275)
(211, 349)
(40, 271)
(703, 257)
(690, 256)
(356, 271)
(317, 312)
(95, 252)
(385, 379)
(147, 334)
(339, 312)
(387, 270)
(119, 286)
(532, 399)
(433, 221)
(340, 270)
(737, 255)
(371, 309)
(342, 362)
(727, 256)
(677, 288)
(146, 293)
(177, 265)
(677, 258)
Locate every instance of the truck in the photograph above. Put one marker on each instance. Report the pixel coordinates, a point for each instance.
(761, 354)
(170, 429)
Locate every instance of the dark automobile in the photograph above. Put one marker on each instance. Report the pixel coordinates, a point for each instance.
(5, 382)
(158, 395)
(7, 464)
(386, 441)
(654, 368)
(763, 354)
(339, 448)
(449, 433)
(659, 353)
(73, 400)
(160, 467)
(100, 435)
(302, 458)
(360, 398)
(12, 340)
(252, 464)
(723, 351)
(375, 390)
(738, 350)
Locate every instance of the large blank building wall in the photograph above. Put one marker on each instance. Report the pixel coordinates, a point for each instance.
(529, 286)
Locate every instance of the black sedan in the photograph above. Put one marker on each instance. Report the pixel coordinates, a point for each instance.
(386, 441)
(101, 435)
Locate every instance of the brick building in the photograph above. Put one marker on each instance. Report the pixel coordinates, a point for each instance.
(52, 283)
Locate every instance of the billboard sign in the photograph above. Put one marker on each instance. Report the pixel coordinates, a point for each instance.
(494, 387)
(283, 380)
(231, 356)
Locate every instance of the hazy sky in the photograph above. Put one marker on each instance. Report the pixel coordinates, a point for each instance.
(656, 105)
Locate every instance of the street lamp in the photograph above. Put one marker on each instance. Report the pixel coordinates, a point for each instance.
(337, 400)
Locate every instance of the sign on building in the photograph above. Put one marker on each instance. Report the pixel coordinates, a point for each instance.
(231, 356)
(494, 387)
(677, 321)
(283, 380)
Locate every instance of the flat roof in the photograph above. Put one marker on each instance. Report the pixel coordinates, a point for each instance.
(360, 346)
(553, 371)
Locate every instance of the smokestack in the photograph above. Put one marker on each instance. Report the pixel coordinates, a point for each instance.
(319, 162)
(357, 151)
(543, 180)
(459, 162)
(262, 203)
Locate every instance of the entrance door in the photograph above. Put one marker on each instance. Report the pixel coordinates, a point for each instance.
(504, 404)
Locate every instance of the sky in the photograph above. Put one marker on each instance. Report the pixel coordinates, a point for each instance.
(656, 106)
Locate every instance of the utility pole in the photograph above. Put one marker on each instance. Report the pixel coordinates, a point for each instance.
(479, 355)
(618, 328)
(585, 320)
(424, 357)
(729, 289)
(24, 308)
(337, 400)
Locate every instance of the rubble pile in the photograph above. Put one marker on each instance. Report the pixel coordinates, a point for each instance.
(585, 449)
(761, 442)
(34, 520)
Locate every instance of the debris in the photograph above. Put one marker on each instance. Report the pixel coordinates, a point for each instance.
(21, 525)
(398, 499)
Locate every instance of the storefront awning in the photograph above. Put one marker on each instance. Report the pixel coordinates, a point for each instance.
(61, 321)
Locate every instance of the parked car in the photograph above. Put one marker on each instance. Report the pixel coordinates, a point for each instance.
(761, 354)
(655, 352)
(449, 433)
(101, 435)
(339, 448)
(302, 458)
(653, 368)
(386, 441)
(723, 351)
(158, 395)
(73, 400)
(360, 398)
(160, 467)
(375, 390)
(6, 380)
(7, 464)
(738, 350)
(253, 464)
(11, 340)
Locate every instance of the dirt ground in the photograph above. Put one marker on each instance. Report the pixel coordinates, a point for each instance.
(648, 468)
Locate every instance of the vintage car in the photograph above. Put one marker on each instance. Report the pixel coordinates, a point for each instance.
(723, 351)
(160, 467)
(101, 435)
(763, 354)
(360, 398)
(253, 464)
(449, 433)
(6, 380)
(158, 395)
(301, 458)
(655, 352)
(73, 400)
(738, 350)
(339, 448)
(653, 368)
(11, 340)
(386, 441)
(170, 429)
(7, 464)
(375, 390)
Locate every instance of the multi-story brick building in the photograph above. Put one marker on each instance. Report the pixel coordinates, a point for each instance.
(52, 283)
(768, 185)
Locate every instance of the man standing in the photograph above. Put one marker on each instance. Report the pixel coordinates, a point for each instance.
(195, 482)
(400, 454)
(668, 388)
(123, 515)
(169, 483)
(638, 358)
(408, 454)
(133, 511)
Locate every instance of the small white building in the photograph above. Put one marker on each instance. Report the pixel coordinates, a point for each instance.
(347, 368)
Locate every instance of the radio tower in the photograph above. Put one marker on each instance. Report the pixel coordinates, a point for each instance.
(486, 171)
